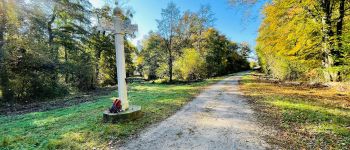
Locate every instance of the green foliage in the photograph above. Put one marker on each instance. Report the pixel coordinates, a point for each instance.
(216, 56)
(167, 27)
(190, 66)
(253, 64)
(214, 47)
(31, 63)
(187, 47)
(245, 49)
(163, 72)
(190, 46)
(221, 55)
(108, 70)
(49, 49)
(151, 56)
(130, 54)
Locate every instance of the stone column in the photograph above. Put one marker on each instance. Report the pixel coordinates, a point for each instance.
(120, 57)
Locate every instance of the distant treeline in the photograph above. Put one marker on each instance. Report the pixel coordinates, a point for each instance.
(186, 46)
(306, 40)
(53, 48)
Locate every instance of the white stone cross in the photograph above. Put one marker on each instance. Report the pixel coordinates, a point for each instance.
(120, 28)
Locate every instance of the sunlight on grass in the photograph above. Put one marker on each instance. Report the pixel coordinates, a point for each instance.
(311, 118)
(329, 127)
(302, 106)
(81, 127)
(46, 121)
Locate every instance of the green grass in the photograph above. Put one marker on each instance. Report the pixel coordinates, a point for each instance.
(308, 118)
(81, 127)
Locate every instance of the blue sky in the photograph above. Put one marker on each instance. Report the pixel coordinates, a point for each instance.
(229, 19)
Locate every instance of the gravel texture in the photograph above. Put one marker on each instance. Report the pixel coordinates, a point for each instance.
(218, 118)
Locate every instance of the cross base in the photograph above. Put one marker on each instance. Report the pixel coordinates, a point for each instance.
(132, 113)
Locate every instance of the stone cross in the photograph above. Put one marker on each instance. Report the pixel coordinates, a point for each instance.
(120, 28)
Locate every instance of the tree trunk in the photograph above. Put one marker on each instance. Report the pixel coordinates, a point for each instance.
(53, 49)
(4, 78)
(8, 94)
(170, 59)
(66, 61)
(199, 39)
(97, 71)
(51, 36)
(170, 63)
(98, 57)
(340, 27)
(327, 40)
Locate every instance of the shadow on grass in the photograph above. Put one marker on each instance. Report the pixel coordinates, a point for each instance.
(311, 118)
(81, 127)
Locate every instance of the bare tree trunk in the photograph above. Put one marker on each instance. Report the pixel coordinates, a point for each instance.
(327, 40)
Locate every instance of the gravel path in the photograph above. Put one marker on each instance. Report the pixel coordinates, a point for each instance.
(218, 118)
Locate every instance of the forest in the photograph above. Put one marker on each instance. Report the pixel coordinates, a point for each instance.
(306, 40)
(54, 48)
(195, 81)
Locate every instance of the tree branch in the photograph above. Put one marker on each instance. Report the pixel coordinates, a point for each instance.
(312, 14)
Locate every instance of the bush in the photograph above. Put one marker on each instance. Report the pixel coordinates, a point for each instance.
(253, 64)
(163, 71)
(190, 66)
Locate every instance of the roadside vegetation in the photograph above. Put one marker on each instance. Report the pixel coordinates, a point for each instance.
(80, 126)
(305, 116)
(305, 40)
(54, 48)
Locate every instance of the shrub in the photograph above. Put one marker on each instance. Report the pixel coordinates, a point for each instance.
(163, 71)
(190, 66)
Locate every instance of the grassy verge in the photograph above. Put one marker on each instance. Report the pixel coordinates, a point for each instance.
(305, 118)
(81, 127)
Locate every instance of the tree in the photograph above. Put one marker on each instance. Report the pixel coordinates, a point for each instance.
(221, 55)
(4, 77)
(205, 21)
(50, 48)
(167, 26)
(297, 40)
(340, 24)
(190, 66)
(235, 61)
(245, 49)
(152, 55)
(104, 50)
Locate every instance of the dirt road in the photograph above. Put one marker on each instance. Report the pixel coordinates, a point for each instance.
(218, 118)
